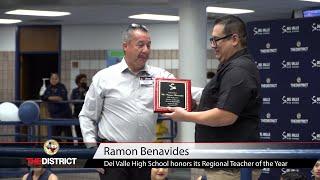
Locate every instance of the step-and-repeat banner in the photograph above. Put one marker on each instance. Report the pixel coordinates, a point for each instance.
(287, 53)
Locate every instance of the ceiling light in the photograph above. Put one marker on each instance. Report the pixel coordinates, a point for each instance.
(318, 1)
(223, 10)
(9, 21)
(37, 13)
(158, 17)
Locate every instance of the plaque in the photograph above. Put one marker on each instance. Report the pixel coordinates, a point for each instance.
(172, 93)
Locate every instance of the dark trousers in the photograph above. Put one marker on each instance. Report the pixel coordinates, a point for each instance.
(126, 174)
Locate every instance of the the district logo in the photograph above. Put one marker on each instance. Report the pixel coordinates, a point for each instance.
(268, 45)
(298, 48)
(299, 119)
(268, 84)
(268, 119)
(298, 44)
(51, 147)
(268, 49)
(299, 84)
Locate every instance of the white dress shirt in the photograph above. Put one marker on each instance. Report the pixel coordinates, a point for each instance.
(119, 105)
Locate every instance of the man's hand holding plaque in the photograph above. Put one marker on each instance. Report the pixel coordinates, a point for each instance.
(172, 93)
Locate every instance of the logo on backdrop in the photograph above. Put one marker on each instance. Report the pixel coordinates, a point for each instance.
(299, 48)
(266, 171)
(290, 136)
(261, 31)
(268, 49)
(315, 63)
(268, 119)
(286, 170)
(290, 100)
(315, 100)
(268, 84)
(266, 100)
(299, 84)
(265, 135)
(299, 119)
(290, 64)
(290, 29)
(315, 136)
(315, 27)
(263, 66)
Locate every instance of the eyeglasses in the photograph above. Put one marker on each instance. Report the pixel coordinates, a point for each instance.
(138, 26)
(214, 41)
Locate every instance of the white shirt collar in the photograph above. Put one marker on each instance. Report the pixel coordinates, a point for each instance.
(123, 66)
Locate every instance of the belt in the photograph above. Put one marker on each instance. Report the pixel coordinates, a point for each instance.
(105, 141)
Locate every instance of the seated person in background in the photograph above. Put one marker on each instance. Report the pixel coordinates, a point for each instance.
(55, 93)
(159, 173)
(39, 173)
(294, 175)
(316, 171)
(79, 93)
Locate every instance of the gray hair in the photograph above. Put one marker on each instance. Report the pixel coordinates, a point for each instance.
(127, 35)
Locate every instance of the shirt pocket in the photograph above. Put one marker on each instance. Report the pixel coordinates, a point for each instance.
(209, 99)
(145, 95)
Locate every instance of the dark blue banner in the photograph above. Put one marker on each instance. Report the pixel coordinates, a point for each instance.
(287, 54)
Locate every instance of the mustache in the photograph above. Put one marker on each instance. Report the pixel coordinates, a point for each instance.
(143, 56)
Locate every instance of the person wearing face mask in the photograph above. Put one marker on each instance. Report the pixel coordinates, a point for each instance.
(79, 93)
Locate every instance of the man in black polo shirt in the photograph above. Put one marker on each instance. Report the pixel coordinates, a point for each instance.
(230, 102)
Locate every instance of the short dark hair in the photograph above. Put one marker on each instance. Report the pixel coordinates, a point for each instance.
(54, 73)
(293, 175)
(79, 77)
(233, 24)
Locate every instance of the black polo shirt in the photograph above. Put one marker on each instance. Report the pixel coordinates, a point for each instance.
(235, 88)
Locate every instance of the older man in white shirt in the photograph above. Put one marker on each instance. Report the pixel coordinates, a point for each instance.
(119, 104)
